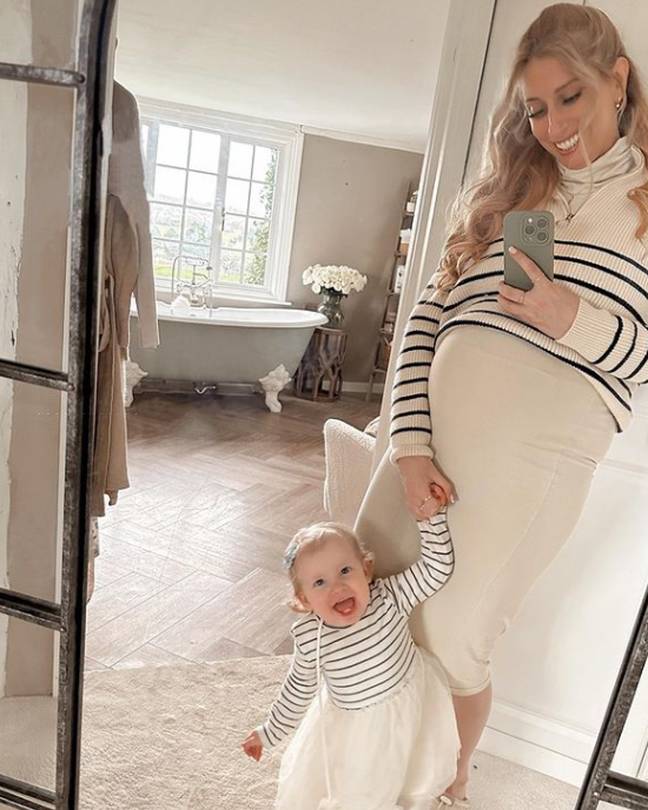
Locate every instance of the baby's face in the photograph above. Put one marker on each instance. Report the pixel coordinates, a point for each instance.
(333, 581)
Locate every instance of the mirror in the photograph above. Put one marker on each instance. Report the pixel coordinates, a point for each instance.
(189, 577)
(28, 706)
(37, 196)
(32, 506)
(31, 37)
(247, 187)
(45, 244)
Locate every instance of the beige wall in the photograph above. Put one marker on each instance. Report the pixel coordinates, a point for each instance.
(349, 212)
(36, 436)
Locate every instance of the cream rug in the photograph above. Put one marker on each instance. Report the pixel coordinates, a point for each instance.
(168, 738)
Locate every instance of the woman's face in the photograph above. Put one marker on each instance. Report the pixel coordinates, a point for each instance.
(566, 115)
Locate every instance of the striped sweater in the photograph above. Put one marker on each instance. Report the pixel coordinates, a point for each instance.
(361, 664)
(598, 257)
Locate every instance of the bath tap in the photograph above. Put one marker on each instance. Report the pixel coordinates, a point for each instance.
(199, 293)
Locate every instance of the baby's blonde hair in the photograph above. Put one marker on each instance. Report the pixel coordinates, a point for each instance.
(317, 534)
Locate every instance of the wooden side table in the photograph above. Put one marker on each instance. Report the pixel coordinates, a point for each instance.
(319, 375)
(381, 358)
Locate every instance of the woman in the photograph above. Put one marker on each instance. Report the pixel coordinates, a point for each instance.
(513, 398)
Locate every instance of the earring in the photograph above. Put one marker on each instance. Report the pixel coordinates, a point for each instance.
(618, 104)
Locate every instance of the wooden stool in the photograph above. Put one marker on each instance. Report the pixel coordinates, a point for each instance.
(322, 363)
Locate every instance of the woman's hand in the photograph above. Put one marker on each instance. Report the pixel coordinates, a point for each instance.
(420, 477)
(550, 307)
(253, 746)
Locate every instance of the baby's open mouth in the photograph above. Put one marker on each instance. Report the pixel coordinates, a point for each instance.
(345, 607)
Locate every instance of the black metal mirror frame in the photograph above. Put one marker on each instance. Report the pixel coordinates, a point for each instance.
(89, 80)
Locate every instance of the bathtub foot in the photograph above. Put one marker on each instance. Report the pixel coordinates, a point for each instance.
(132, 375)
(272, 384)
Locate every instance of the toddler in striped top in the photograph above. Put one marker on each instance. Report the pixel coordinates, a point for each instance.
(381, 734)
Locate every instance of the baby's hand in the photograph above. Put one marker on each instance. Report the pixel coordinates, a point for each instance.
(253, 746)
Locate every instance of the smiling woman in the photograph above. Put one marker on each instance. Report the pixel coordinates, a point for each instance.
(514, 398)
(575, 119)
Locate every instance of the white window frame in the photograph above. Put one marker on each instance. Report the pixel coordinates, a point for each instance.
(288, 140)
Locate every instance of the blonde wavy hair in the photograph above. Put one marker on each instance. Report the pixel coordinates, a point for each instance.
(517, 172)
(316, 535)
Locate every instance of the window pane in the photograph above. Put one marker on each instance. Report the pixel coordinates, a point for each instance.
(28, 722)
(144, 134)
(201, 190)
(236, 196)
(233, 231)
(240, 159)
(198, 226)
(173, 145)
(230, 272)
(261, 200)
(205, 151)
(163, 255)
(264, 164)
(255, 266)
(165, 221)
(257, 235)
(169, 185)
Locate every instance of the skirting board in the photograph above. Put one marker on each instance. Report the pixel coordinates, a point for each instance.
(361, 387)
(542, 744)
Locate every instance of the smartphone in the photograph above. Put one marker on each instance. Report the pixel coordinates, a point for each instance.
(532, 232)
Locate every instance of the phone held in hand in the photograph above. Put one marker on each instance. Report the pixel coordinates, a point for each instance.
(531, 232)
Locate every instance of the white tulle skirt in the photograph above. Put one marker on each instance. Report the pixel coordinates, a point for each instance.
(398, 753)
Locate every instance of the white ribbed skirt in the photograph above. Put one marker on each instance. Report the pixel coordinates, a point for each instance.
(520, 434)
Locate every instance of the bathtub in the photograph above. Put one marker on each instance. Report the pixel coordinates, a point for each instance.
(227, 345)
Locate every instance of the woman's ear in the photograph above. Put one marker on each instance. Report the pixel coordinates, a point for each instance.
(621, 71)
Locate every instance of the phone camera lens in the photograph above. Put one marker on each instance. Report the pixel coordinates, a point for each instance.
(542, 236)
(529, 229)
(542, 222)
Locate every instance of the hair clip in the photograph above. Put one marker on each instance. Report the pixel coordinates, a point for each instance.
(290, 554)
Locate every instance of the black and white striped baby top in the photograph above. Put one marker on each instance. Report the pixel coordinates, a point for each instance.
(597, 256)
(362, 664)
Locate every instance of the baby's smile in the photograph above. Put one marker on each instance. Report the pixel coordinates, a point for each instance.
(345, 607)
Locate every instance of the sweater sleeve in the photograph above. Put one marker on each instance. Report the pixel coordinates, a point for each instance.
(411, 426)
(297, 692)
(431, 571)
(618, 346)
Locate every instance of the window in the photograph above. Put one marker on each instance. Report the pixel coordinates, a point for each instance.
(223, 192)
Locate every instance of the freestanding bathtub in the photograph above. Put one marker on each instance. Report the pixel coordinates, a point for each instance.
(227, 345)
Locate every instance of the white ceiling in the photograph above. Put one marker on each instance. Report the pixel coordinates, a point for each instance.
(366, 68)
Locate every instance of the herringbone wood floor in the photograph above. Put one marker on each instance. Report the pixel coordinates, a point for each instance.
(190, 564)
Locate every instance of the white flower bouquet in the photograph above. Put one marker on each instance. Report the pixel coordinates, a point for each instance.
(334, 278)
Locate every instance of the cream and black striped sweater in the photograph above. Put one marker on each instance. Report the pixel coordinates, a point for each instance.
(598, 257)
(367, 661)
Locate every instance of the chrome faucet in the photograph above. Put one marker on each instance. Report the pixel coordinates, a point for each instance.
(200, 292)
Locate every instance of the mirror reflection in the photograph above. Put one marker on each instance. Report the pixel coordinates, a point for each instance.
(28, 705)
(276, 208)
(33, 442)
(512, 461)
(31, 36)
(36, 200)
